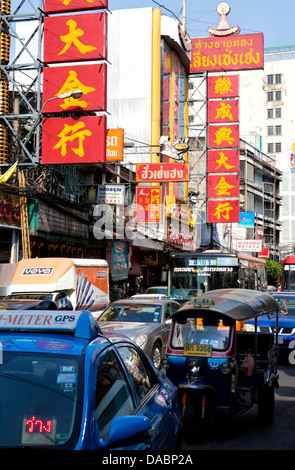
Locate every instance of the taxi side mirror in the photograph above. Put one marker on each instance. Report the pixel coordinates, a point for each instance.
(128, 431)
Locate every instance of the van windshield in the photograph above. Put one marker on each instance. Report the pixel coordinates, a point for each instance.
(202, 331)
(39, 400)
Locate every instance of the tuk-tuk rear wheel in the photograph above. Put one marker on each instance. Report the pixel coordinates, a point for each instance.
(191, 417)
(266, 402)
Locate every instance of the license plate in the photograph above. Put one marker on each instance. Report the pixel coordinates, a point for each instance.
(201, 350)
(280, 339)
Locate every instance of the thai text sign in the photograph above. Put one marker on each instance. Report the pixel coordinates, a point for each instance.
(222, 86)
(162, 172)
(249, 245)
(223, 161)
(148, 204)
(74, 140)
(90, 79)
(75, 38)
(232, 53)
(226, 210)
(115, 145)
(59, 6)
(111, 194)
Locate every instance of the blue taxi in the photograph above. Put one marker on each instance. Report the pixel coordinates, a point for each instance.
(66, 385)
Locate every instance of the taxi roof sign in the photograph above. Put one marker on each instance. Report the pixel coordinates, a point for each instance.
(81, 324)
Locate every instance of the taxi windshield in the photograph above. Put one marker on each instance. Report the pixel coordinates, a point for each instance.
(133, 313)
(39, 400)
(202, 331)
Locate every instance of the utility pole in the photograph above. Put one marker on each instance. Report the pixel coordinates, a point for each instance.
(24, 217)
(184, 20)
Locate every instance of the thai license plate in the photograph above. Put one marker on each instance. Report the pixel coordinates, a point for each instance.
(201, 350)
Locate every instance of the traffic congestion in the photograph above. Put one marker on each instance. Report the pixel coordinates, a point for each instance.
(142, 373)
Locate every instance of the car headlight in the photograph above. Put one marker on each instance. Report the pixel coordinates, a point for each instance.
(165, 364)
(194, 367)
(226, 367)
(140, 340)
(248, 327)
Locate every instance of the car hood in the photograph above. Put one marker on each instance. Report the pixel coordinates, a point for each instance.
(284, 320)
(130, 329)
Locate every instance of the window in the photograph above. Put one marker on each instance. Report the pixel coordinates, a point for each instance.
(278, 113)
(269, 148)
(278, 78)
(270, 79)
(270, 130)
(278, 147)
(270, 114)
(141, 375)
(113, 397)
(270, 96)
(278, 130)
(278, 95)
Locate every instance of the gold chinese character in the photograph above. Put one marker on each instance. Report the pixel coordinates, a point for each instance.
(222, 161)
(223, 209)
(224, 112)
(71, 133)
(222, 86)
(67, 2)
(223, 134)
(72, 83)
(72, 37)
(223, 187)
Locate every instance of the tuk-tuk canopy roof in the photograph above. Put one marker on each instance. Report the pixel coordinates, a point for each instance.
(237, 304)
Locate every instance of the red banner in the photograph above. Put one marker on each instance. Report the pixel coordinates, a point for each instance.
(223, 161)
(223, 111)
(60, 6)
(147, 172)
(223, 186)
(74, 140)
(223, 211)
(222, 136)
(222, 86)
(232, 53)
(148, 204)
(90, 79)
(75, 38)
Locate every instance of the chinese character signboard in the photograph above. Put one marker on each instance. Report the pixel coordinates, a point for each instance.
(74, 140)
(60, 6)
(75, 38)
(228, 53)
(90, 79)
(219, 110)
(222, 210)
(166, 172)
(223, 186)
(223, 86)
(148, 204)
(223, 161)
(225, 135)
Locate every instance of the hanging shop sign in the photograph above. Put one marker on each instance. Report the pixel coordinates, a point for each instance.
(225, 210)
(9, 210)
(110, 194)
(165, 172)
(222, 86)
(74, 140)
(224, 136)
(213, 54)
(61, 6)
(148, 204)
(247, 219)
(90, 79)
(249, 245)
(222, 111)
(223, 161)
(119, 264)
(223, 185)
(115, 145)
(75, 38)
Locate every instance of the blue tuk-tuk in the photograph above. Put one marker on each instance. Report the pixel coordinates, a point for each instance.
(219, 369)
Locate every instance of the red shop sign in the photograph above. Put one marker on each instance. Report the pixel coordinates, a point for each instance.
(223, 185)
(148, 204)
(223, 136)
(148, 172)
(223, 86)
(231, 53)
(223, 211)
(223, 161)
(222, 111)
(74, 140)
(60, 6)
(75, 38)
(90, 79)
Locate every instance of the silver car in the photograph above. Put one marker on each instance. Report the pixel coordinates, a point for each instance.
(146, 321)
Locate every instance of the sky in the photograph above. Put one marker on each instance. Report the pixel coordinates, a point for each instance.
(274, 19)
